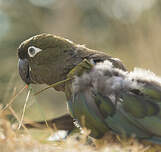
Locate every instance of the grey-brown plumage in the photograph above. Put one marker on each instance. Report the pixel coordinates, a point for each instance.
(99, 88)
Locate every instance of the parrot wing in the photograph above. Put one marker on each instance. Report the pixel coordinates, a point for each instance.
(110, 99)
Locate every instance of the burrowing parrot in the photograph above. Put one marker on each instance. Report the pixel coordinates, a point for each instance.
(101, 94)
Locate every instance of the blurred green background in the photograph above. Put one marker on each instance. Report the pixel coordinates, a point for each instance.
(129, 30)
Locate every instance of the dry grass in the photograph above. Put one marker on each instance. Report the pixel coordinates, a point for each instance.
(19, 141)
(16, 142)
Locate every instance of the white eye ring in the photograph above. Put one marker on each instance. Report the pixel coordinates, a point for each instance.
(32, 51)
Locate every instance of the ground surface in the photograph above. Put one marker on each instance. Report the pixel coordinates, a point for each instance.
(21, 141)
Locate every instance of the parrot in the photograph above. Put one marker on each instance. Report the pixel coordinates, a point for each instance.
(101, 94)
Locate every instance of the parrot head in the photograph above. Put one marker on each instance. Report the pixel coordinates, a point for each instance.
(43, 59)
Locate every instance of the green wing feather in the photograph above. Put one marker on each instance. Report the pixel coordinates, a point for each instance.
(105, 105)
(144, 109)
(153, 91)
(87, 114)
(117, 120)
(139, 106)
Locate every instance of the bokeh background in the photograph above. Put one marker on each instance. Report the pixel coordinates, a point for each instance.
(127, 29)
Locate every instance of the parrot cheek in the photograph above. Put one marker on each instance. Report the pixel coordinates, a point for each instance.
(38, 74)
(41, 74)
(36, 78)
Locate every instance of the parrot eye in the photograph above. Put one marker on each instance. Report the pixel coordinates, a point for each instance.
(32, 51)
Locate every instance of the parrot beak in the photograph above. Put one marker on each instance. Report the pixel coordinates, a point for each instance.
(24, 71)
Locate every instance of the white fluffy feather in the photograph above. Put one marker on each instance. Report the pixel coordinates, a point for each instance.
(108, 80)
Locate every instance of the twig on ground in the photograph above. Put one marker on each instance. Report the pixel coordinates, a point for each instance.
(24, 108)
(13, 99)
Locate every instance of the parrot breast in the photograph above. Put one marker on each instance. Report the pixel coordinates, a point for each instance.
(106, 79)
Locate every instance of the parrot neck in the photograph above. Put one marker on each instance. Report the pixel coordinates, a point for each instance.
(69, 61)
